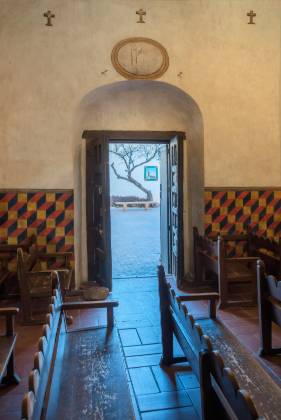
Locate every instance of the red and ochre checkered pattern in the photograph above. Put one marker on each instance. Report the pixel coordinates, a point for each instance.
(49, 215)
(233, 211)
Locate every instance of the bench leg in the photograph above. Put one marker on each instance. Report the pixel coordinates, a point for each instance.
(212, 308)
(110, 318)
(11, 377)
(167, 339)
(265, 336)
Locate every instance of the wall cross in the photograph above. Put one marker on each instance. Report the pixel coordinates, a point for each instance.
(251, 15)
(141, 14)
(49, 15)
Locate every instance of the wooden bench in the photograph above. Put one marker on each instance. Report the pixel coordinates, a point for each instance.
(37, 284)
(268, 250)
(236, 276)
(221, 397)
(7, 348)
(77, 374)
(269, 300)
(8, 254)
(4, 272)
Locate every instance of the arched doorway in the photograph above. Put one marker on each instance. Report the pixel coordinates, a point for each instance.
(147, 106)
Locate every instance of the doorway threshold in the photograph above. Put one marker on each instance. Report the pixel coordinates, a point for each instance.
(144, 276)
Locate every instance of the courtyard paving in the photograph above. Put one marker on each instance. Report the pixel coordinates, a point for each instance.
(135, 242)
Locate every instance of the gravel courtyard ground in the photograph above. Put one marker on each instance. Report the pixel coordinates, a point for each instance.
(135, 242)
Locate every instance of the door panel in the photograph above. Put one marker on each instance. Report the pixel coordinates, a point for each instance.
(164, 208)
(176, 207)
(98, 211)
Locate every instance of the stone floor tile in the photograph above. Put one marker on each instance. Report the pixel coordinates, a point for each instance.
(143, 381)
(163, 401)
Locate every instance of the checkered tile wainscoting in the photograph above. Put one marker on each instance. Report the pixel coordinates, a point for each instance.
(47, 215)
(232, 211)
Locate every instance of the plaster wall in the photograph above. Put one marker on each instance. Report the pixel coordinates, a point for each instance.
(144, 105)
(230, 68)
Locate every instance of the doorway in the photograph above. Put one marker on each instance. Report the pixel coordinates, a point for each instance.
(98, 199)
(134, 209)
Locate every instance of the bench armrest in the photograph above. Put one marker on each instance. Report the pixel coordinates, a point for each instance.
(198, 296)
(90, 304)
(211, 297)
(108, 304)
(242, 259)
(8, 311)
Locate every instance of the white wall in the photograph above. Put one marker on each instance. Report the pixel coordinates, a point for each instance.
(144, 105)
(230, 68)
(123, 188)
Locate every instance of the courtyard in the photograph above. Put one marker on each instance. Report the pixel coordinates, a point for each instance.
(135, 242)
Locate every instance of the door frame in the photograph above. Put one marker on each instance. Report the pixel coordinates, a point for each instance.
(161, 137)
(139, 136)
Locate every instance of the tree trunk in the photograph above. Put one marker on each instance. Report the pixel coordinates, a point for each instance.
(129, 178)
(149, 196)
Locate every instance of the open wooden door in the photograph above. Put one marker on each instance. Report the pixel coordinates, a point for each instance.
(98, 209)
(176, 207)
(165, 234)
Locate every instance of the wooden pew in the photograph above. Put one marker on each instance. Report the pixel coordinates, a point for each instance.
(37, 284)
(80, 373)
(4, 272)
(269, 302)
(205, 262)
(7, 348)
(236, 276)
(220, 393)
(8, 277)
(175, 320)
(268, 250)
(221, 397)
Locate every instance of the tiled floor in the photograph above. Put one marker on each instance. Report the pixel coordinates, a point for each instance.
(170, 393)
(159, 393)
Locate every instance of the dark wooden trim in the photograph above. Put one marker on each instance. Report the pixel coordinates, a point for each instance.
(180, 274)
(140, 136)
(242, 188)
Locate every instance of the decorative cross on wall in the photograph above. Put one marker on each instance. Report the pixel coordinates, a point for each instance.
(251, 15)
(49, 15)
(141, 14)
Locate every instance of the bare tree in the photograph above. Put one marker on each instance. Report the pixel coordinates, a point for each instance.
(133, 156)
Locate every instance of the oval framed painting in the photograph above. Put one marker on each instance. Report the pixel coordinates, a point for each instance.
(140, 58)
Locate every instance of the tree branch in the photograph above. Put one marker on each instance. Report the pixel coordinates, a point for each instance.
(121, 157)
(116, 173)
(146, 161)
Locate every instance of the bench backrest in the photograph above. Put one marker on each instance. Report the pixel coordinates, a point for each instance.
(269, 293)
(24, 264)
(220, 392)
(268, 250)
(188, 333)
(205, 254)
(39, 378)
